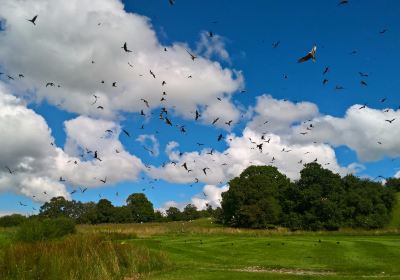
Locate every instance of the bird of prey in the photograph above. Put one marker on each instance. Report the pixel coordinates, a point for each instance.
(96, 156)
(100, 107)
(383, 100)
(145, 102)
(20, 203)
(191, 55)
(114, 84)
(363, 74)
(210, 34)
(104, 181)
(21, 76)
(95, 99)
(50, 84)
(220, 137)
(83, 190)
(126, 132)
(171, 2)
(343, 2)
(325, 81)
(215, 120)
(339, 87)
(310, 55)
(197, 115)
(275, 44)
(9, 170)
(62, 179)
(151, 73)
(229, 122)
(363, 83)
(363, 106)
(205, 170)
(260, 146)
(383, 31)
(390, 121)
(74, 191)
(163, 83)
(33, 20)
(326, 70)
(184, 165)
(130, 64)
(167, 121)
(125, 47)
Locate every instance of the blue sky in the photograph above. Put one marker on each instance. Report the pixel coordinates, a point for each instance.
(248, 30)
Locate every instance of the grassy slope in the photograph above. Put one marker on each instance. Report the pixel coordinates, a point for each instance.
(202, 250)
(395, 222)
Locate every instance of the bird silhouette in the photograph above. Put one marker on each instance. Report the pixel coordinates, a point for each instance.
(125, 47)
(33, 20)
(151, 73)
(310, 55)
(191, 55)
(390, 121)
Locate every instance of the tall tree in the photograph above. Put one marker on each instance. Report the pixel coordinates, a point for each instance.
(141, 208)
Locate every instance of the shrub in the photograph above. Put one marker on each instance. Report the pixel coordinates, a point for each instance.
(40, 230)
(12, 220)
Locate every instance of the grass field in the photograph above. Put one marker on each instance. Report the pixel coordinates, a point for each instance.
(202, 250)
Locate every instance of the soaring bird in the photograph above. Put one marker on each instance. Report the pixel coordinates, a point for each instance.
(33, 20)
(215, 120)
(62, 179)
(197, 115)
(275, 44)
(343, 2)
(205, 170)
(96, 156)
(50, 84)
(220, 137)
(191, 55)
(390, 121)
(325, 81)
(363, 106)
(104, 181)
(126, 132)
(363, 83)
(383, 31)
(145, 102)
(184, 165)
(326, 70)
(114, 84)
(9, 170)
(363, 74)
(95, 99)
(171, 2)
(310, 55)
(125, 47)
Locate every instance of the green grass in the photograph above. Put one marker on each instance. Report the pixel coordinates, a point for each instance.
(203, 250)
(395, 221)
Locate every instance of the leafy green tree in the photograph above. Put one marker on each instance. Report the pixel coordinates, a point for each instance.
(190, 212)
(393, 183)
(173, 214)
(253, 198)
(105, 212)
(60, 207)
(141, 208)
(320, 198)
(122, 215)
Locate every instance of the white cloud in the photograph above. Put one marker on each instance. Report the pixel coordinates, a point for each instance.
(211, 195)
(212, 46)
(67, 37)
(28, 150)
(154, 150)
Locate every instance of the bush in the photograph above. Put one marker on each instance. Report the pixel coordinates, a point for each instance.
(12, 220)
(40, 230)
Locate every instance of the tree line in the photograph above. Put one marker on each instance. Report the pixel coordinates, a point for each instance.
(261, 197)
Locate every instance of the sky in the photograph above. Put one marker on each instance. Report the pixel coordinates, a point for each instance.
(63, 106)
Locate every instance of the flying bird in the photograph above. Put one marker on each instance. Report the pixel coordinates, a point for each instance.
(171, 2)
(191, 55)
(343, 2)
(363, 83)
(125, 47)
(390, 121)
(126, 132)
(275, 44)
(151, 73)
(33, 20)
(9, 170)
(310, 55)
(220, 137)
(205, 170)
(215, 120)
(145, 102)
(326, 70)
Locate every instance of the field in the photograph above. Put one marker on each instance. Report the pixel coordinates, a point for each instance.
(202, 250)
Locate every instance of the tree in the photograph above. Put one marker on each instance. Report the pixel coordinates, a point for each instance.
(190, 212)
(393, 183)
(173, 214)
(253, 198)
(105, 212)
(319, 199)
(141, 208)
(12, 220)
(60, 207)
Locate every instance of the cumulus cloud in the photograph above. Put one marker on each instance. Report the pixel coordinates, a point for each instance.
(32, 165)
(211, 196)
(365, 131)
(154, 150)
(212, 46)
(69, 35)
